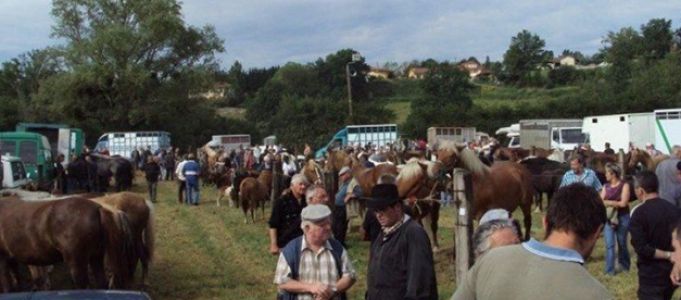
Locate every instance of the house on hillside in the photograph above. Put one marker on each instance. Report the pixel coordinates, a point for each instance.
(563, 60)
(474, 69)
(416, 72)
(379, 73)
(218, 91)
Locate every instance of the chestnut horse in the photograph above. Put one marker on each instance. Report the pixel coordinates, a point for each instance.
(252, 194)
(366, 178)
(636, 156)
(419, 182)
(140, 214)
(74, 230)
(505, 184)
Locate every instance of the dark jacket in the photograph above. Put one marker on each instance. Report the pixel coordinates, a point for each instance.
(651, 228)
(151, 171)
(401, 265)
(285, 218)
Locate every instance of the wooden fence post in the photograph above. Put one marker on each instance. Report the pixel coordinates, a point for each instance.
(621, 162)
(463, 230)
(276, 179)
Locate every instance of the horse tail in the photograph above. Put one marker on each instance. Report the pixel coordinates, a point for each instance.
(149, 233)
(119, 245)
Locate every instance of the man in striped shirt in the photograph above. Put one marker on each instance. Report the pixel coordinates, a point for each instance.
(314, 265)
(578, 173)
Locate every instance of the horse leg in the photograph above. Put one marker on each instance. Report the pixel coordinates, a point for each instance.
(435, 218)
(527, 219)
(5, 276)
(220, 194)
(78, 267)
(39, 277)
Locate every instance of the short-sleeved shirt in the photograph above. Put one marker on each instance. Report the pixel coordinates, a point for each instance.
(588, 178)
(317, 267)
(343, 191)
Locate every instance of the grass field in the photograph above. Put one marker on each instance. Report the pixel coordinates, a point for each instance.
(207, 252)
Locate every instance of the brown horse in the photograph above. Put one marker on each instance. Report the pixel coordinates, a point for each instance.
(252, 194)
(74, 230)
(540, 152)
(636, 156)
(506, 185)
(419, 183)
(510, 154)
(140, 214)
(366, 178)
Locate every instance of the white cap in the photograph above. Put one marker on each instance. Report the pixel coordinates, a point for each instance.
(495, 214)
(343, 170)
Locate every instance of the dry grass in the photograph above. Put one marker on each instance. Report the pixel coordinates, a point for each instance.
(207, 252)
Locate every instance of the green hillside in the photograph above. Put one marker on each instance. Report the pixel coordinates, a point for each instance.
(404, 91)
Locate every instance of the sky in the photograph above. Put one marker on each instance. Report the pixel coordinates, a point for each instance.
(273, 32)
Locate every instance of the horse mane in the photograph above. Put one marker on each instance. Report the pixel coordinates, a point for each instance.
(472, 163)
(449, 145)
(410, 170)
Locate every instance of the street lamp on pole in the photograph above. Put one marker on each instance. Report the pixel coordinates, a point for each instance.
(355, 58)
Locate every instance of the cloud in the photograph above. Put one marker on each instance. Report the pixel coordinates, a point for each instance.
(262, 33)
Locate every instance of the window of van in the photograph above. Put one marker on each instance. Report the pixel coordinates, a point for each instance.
(7, 146)
(28, 151)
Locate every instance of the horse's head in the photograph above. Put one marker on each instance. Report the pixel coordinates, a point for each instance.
(448, 154)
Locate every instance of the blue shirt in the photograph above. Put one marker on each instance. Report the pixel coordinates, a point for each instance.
(588, 178)
(191, 171)
(343, 191)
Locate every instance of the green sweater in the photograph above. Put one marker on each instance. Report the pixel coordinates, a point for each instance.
(513, 272)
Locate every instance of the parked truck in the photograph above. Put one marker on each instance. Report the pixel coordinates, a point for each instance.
(456, 134)
(661, 127)
(374, 134)
(230, 142)
(62, 138)
(562, 134)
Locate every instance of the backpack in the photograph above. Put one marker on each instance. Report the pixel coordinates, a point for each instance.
(291, 253)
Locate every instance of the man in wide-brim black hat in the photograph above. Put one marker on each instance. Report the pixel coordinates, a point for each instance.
(401, 264)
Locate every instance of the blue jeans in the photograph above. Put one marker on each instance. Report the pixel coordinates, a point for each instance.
(445, 198)
(618, 234)
(192, 194)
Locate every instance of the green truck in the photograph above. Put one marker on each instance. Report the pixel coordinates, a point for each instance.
(38, 144)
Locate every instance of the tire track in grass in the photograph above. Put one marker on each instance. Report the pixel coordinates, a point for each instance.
(241, 268)
(179, 271)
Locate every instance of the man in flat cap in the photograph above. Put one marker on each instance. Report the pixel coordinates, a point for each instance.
(314, 265)
(346, 192)
(401, 264)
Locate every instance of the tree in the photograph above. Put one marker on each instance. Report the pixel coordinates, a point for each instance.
(445, 102)
(657, 38)
(621, 49)
(127, 63)
(524, 55)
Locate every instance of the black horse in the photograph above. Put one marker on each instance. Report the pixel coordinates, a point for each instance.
(118, 167)
(546, 176)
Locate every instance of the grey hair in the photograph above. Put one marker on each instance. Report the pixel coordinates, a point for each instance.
(299, 178)
(310, 191)
(615, 169)
(481, 242)
(387, 179)
(305, 223)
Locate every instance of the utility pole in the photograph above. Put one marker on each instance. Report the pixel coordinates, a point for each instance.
(355, 58)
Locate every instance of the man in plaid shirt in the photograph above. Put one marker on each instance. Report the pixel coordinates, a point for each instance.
(314, 265)
(578, 173)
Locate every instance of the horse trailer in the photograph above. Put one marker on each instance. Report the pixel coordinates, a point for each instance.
(667, 129)
(12, 172)
(361, 135)
(230, 142)
(123, 143)
(456, 134)
(620, 130)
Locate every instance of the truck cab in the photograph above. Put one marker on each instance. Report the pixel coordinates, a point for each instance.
(12, 172)
(34, 151)
(339, 139)
(566, 138)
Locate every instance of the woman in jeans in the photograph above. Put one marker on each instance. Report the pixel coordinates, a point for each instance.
(615, 195)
